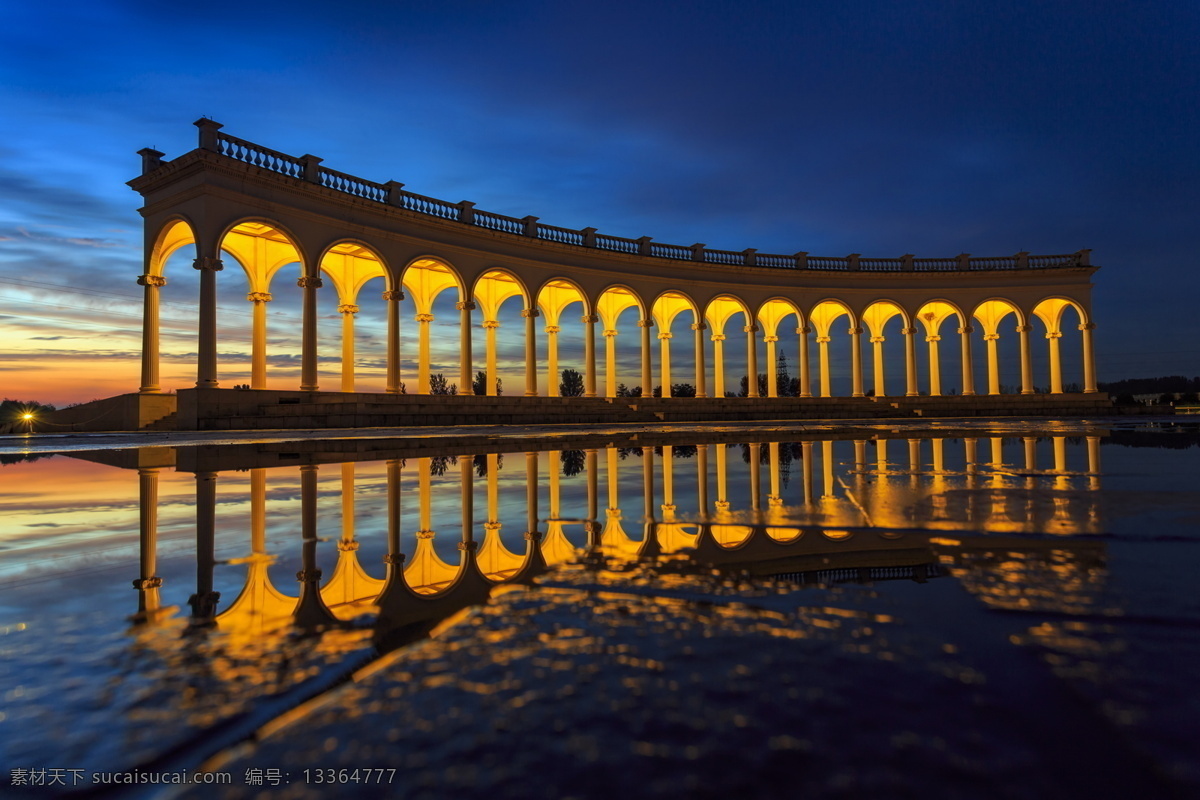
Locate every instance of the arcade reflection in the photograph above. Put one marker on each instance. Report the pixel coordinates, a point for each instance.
(810, 511)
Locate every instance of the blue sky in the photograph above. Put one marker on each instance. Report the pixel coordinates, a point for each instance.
(931, 128)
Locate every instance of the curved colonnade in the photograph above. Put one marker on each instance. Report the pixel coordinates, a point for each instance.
(267, 211)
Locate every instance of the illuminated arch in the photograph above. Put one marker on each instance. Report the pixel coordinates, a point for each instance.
(770, 314)
(665, 308)
(718, 312)
(425, 278)
(990, 313)
(822, 316)
(176, 233)
(931, 315)
(553, 298)
(876, 317)
(613, 302)
(1050, 311)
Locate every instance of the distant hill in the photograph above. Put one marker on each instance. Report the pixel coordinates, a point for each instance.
(1170, 383)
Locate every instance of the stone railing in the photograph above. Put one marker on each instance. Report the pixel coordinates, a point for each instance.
(308, 168)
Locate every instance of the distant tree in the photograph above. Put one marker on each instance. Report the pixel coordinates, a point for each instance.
(572, 461)
(657, 392)
(571, 384)
(683, 390)
(439, 385)
(1189, 397)
(439, 464)
(1072, 388)
(479, 384)
(744, 390)
(628, 391)
(1167, 398)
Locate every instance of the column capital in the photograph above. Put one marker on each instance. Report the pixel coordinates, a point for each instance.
(589, 319)
(933, 337)
(151, 280)
(347, 545)
(803, 330)
(491, 323)
(991, 337)
(467, 547)
(824, 339)
(666, 335)
(750, 328)
(347, 308)
(426, 318)
(529, 313)
(395, 559)
(1087, 326)
(645, 323)
(908, 331)
(208, 263)
(609, 332)
(1054, 334)
(426, 534)
(718, 337)
(259, 297)
(699, 326)
(492, 526)
(465, 305)
(1024, 328)
(770, 338)
(309, 575)
(150, 582)
(855, 331)
(310, 282)
(878, 339)
(393, 295)
(966, 329)
(553, 329)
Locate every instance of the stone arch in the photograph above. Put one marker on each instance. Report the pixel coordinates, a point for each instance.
(491, 290)
(426, 277)
(177, 232)
(822, 316)
(717, 314)
(553, 298)
(990, 313)
(612, 302)
(769, 315)
(931, 314)
(876, 316)
(1050, 311)
(350, 265)
(666, 307)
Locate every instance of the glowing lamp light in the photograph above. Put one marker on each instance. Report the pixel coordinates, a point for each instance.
(27, 417)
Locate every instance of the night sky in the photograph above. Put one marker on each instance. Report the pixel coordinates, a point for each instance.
(931, 128)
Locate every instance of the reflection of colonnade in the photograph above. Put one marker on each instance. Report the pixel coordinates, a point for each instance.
(850, 503)
(411, 247)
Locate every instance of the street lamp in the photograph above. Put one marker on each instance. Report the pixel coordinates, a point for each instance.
(28, 419)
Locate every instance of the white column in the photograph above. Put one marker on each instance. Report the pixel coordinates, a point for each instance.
(664, 362)
(589, 354)
(258, 345)
(751, 360)
(1089, 358)
(718, 340)
(552, 376)
(968, 366)
(772, 369)
(935, 372)
(1026, 359)
(823, 345)
(347, 310)
(1055, 362)
(466, 367)
(910, 362)
(423, 321)
(489, 327)
(877, 359)
(393, 298)
(993, 362)
(530, 352)
(701, 369)
(610, 362)
(647, 378)
(805, 374)
(856, 371)
(206, 351)
(308, 338)
(150, 335)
